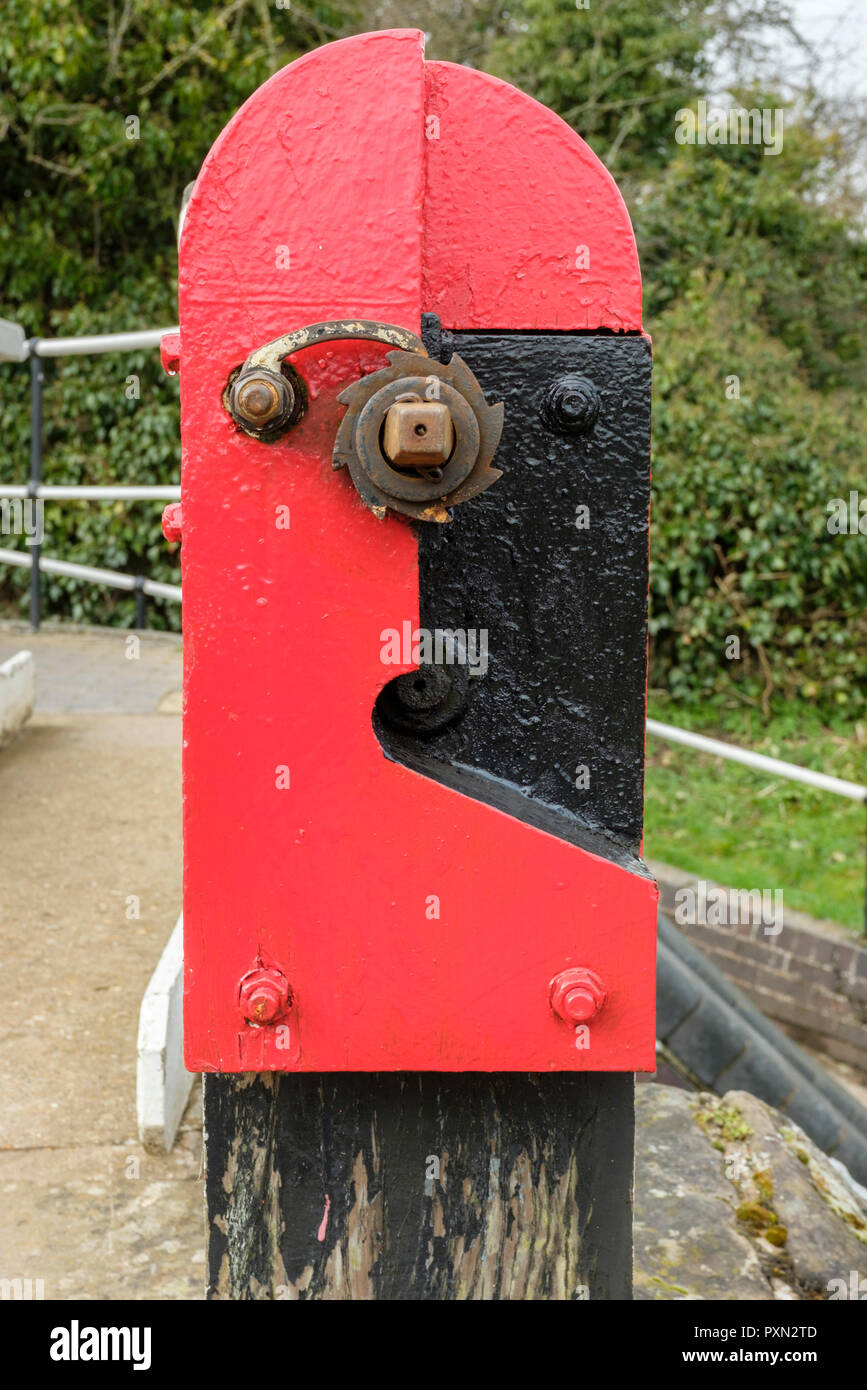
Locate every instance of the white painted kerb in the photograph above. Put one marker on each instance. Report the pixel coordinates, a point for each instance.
(17, 692)
(162, 1081)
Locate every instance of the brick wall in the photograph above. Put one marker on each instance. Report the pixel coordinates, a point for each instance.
(809, 976)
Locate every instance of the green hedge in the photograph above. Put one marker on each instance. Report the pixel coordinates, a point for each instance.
(740, 545)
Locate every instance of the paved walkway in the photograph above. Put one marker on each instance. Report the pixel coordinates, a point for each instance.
(99, 670)
(89, 893)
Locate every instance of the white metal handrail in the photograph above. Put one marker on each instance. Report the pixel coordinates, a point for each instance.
(72, 492)
(101, 342)
(111, 578)
(759, 761)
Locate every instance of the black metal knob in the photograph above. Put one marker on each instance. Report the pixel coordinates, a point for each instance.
(571, 405)
(424, 701)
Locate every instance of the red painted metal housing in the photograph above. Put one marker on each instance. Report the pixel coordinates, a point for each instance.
(416, 928)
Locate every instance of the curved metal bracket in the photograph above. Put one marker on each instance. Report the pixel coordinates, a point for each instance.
(274, 353)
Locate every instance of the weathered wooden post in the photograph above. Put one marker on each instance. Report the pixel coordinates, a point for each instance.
(419, 942)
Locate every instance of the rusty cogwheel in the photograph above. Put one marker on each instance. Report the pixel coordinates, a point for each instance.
(425, 495)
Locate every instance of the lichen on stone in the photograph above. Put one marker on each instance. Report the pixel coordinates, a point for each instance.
(764, 1185)
(755, 1214)
(726, 1118)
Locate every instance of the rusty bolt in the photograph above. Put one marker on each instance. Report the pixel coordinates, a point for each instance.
(577, 995)
(418, 434)
(261, 401)
(264, 996)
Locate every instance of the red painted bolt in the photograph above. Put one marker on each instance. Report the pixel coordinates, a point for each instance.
(172, 521)
(170, 353)
(577, 995)
(264, 995)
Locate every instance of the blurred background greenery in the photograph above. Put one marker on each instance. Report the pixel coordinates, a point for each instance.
(755, 267)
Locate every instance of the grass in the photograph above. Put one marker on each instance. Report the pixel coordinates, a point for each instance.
(724, 822)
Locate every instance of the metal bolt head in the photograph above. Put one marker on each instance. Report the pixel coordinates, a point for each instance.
(261, 401)
(172, 521)
(577, 995)
(264, 996)
(571, 405)
(424, 701)
(418, 434)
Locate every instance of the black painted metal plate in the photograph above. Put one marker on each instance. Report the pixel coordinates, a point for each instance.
(560, 594)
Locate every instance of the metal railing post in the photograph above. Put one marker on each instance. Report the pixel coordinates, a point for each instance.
(140, 620)
(37, 378)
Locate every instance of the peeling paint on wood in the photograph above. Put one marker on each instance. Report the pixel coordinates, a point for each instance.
(442, 1188)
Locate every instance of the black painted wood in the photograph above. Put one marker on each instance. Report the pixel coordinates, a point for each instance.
(419, 1187)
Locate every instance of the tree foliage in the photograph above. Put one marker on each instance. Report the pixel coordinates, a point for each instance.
(747, 456)
(754, 278)
(107, 108)
(617, 71)
(754, 269)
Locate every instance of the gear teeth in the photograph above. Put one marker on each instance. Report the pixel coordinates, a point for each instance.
(457, 375)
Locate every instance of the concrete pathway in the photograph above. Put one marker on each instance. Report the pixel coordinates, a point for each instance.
(99, 670)
(89, 893)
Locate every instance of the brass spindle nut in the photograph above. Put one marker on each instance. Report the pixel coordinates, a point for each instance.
(417, 433)
(261, 402)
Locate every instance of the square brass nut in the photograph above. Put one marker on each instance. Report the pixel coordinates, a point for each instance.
(418, 434)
